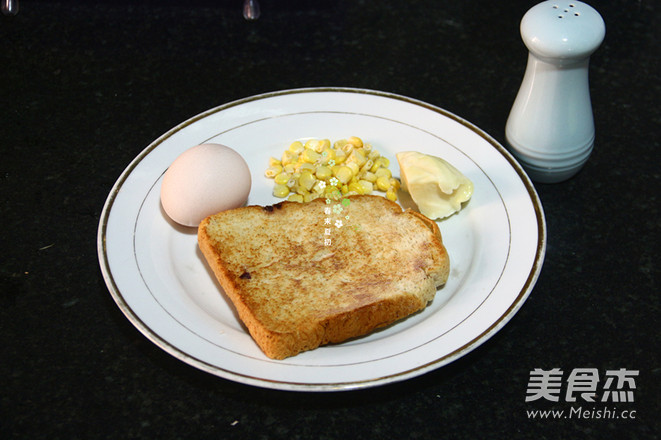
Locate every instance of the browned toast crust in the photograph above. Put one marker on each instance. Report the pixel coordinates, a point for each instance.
(296, 292)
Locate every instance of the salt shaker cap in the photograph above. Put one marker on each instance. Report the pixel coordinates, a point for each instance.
(562, 30)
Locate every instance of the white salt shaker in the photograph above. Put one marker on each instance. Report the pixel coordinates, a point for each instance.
(550, 129)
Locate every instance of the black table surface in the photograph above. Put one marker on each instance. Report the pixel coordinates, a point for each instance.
(87, 85)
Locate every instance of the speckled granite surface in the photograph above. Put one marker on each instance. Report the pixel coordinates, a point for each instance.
(87, 85)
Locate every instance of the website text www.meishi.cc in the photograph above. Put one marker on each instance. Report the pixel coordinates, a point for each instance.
(581, 412)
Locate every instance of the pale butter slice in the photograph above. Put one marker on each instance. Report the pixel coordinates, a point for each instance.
(438, 188)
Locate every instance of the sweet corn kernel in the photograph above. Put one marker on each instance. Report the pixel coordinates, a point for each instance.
(367, 166)
(289, 157)
(345, 189)
(383, 183)
(323, 173)
(273, 171)
(295, 198)
(395, 183)
(309, 197)
(380, 162)
(282, 178)
(347, 148)
(354, 187)
(300, 190)
(370, 177)
(373, 154)
(296, 147)
(365, 187)
(383, 172)
(310, 156)
(280, 190)
(315, 145)
(355, 169)
(273, 162)
(339, 144)
(340, 156)
(355, 141)
(327, 155)
(290, 168)
(391, 194)
(358, 157)
(306, 181)
(344, 174)
(305, 166)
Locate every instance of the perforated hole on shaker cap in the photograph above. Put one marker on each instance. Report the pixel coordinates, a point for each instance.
(568, 11)
(556, 29)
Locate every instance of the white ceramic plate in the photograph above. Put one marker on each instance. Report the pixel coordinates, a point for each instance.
(160, 281)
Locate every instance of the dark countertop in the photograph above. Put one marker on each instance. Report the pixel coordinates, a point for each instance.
(87, 85)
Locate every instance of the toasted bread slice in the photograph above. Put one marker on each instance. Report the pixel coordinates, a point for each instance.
(299, 281)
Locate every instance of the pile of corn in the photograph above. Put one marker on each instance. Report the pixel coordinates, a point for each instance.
(318, 168)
